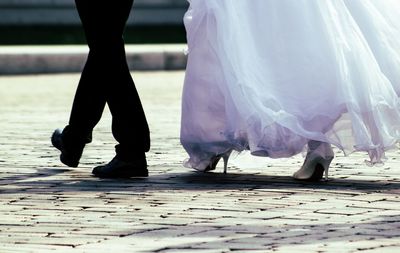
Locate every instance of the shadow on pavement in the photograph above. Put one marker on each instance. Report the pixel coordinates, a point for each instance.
(63, 180)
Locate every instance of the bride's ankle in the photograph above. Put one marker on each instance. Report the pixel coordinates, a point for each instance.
(318, 148)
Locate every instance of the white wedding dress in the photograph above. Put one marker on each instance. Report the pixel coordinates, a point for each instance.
(270, 75)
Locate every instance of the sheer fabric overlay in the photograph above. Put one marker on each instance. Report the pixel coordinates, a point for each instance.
(270, 75)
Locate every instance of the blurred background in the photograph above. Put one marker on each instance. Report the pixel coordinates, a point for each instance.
(56, 22)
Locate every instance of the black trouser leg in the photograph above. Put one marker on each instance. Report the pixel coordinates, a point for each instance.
(106, 79)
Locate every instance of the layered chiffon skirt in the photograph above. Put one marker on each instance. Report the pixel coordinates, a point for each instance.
(268, 76)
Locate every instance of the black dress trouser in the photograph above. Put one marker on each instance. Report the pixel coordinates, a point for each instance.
(106, 80)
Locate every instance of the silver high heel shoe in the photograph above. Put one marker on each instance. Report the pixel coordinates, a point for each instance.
(216, 159)
(316, 164)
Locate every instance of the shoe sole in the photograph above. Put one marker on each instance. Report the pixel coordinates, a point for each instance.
(121, 176)
(128, 173)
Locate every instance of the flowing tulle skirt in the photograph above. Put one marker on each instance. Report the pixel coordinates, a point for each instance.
(270, 75)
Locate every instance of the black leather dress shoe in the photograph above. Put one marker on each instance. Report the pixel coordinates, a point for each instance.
(117, 168)
(70, 154)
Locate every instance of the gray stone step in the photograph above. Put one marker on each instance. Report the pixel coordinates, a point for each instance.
(64, 59)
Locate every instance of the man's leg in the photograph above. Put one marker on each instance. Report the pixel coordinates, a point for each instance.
(89, 101)
(129, 125)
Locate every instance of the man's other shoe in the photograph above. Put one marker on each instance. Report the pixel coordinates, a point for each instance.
(117, 168)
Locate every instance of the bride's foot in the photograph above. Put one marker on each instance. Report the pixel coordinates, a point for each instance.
(316, 164)
(216, 159)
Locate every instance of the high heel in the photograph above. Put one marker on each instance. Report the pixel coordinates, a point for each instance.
(216, 159)
(225, 157)
(316, 164)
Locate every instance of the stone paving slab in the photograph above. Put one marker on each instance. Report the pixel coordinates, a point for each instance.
(257, 207)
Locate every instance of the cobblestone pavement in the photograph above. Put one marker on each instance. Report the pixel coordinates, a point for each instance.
(258, 207)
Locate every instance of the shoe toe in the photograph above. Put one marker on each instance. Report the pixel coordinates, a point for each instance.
(56, 138)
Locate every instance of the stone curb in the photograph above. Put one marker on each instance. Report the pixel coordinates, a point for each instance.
(64, 59)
